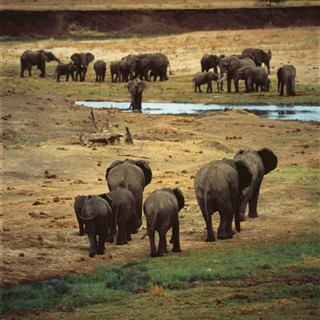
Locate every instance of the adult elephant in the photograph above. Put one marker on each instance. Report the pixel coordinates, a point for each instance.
(128, 65)
(287, 77)
(82, 60)
(124, 216)
(136, 88)
(158, 63)
(230, 65)
(96, 214)
(209, 61)
(218, 187)
(254, 77)
(161, 209)
(36, 58)
(205, 78)
(260, 163)
(259, 56)
(135, 175)
(100, 68)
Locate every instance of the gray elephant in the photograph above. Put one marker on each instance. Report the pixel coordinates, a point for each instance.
(96, 214)
(231, 65)
(115, 71)
(287, 77)
(135, 175)
(259, 57)
(66, 69)
(36, 58)
(209, 61)
(136, 88)
(254, 77)
(260, 163)
(161, 209)
(124, 216)
(156, 62)
(82, 60)
(78, 205)
(128, 66)
(100, 68)
(218, 187)
(205, 78)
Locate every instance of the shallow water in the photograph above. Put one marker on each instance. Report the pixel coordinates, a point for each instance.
(280, 112)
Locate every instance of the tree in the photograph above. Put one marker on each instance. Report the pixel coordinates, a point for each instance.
(269, 2)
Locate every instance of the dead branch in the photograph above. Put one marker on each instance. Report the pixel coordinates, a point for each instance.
(128, 137)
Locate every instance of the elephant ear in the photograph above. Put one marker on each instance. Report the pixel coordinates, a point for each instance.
(245, 176)
(112, 165)
(269, 159)
(234, 63)
(180, 197)
(89, 57)
(44, 57)
(76, 58)
(144, 166)
(136, 86)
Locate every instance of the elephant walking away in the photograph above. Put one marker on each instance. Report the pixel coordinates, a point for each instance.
(205, 78)
(254, 77)
(100, 68)
(124, 216)
(82, 60)
(136, 88)
(260, 163)
(135, 175)
(218, 187)
(96, 214)
(66, 69)
(161, 209)
(287, 77)
(78, 205)
(259, 57)
(36, 58)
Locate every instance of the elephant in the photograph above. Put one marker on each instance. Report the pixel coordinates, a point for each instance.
(218, 187)
(135, 175)
(254, 77)
(161, 210)
(156, 62)
(100, 68)
(96, 214)
(66, 69)
(115, 71)
(286, 76)
(124, 215)
(231, 65)
(36, 58)
(78, 205)
(128, 66)
(209, 61)
(205, 78)
(82, 60)
(260, 163)
(259, 57)
(136, 88)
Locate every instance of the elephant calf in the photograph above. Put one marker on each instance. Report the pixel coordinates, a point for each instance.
(254, 77)
(100, 68)
(205, 78)
(161, 210)
(218, 187)
(287, 77)
(66, 69)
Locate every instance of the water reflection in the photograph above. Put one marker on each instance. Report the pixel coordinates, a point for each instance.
(281, 112)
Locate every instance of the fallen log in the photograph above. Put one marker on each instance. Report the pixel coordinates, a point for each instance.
(103, 137)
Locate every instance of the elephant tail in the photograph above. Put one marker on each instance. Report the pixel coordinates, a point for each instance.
(152, 227)
(170, 72)
(237, 215)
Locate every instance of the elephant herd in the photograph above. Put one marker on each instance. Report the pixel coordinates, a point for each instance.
(226, 186)
(246, 66)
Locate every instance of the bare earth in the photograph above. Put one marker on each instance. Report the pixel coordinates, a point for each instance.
(41, 179)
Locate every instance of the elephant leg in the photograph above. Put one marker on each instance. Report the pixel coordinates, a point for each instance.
(112, 232)
(93, 244)
(243, 206)
(209, 87)
(281, 88)
(208, 221)
(253, 203)
(22, 70)
(225, 219)
(229, 78)
(162, 247)
(81, 226)
(42, 68)
(153, 249)
(175, 240)
(121, 236)
(236, 85)
(229, 231)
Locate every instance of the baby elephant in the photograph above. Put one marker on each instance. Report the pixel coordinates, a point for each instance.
(254, 77)
(100, 68)
(66, 69)
(205, 78)
(161, 210)
(287, 77)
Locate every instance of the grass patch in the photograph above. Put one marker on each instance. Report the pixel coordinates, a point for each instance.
(20, 140)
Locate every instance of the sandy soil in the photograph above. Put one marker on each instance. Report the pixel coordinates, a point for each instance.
(41, 177)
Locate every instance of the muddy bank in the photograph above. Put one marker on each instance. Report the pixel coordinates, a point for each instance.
(144, 22)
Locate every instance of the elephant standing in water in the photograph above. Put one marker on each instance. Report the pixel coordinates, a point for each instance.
(82, 60)
(260, 163)
(218, 187)
(259, 57)
(205, 78)
(136, 87)
(161, 209)
(287, 77)
(100, 68)
(135, 175)
(36, 58)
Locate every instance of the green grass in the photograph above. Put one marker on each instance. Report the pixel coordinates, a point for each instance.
(283, 271)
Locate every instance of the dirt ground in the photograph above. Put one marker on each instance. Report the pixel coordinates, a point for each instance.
(41, 177)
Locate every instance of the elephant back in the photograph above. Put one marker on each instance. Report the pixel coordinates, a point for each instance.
(95, 207)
